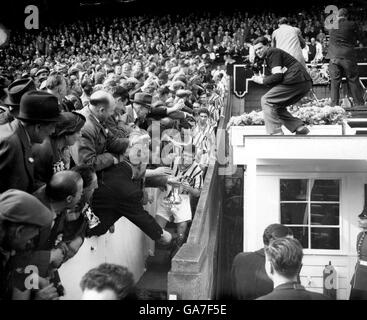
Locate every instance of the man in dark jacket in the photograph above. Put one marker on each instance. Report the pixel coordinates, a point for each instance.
(283, 264)
(249, 279)
(289, 82)
(97, 146)
(37, 119)
(120, 193)
(343, 59)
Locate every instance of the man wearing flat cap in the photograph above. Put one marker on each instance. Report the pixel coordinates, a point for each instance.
(21, 218)
(37, 118)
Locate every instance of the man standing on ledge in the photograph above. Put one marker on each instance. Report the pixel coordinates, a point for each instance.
(343, 59)
(289, 81)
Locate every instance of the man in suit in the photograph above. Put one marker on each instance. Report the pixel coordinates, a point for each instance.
(343, 60)
(37, 119)
(98, 146)
(249, 279)
(283, 262)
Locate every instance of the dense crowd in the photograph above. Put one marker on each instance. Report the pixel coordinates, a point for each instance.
(81, 104)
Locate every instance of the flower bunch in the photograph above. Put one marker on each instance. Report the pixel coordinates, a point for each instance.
(311, 112)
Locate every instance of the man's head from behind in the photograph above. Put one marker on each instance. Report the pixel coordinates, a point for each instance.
(276, 231)
(102, 105)
(65, 189)
(343, 13)
(56, 84)
(108, 282)
(283, 20)
(283, 258)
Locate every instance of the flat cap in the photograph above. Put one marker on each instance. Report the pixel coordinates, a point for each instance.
(21, 207)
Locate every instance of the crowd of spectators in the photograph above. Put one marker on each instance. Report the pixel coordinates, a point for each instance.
(80, 104)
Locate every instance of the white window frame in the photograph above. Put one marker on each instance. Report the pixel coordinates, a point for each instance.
(342, 227)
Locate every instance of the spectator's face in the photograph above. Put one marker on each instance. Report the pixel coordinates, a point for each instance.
(141, 111)
(88, 192)
(42, 131)
(105, 294)
(24, 238)
(71, 139)
(73, 200)
(187, 157)
(120, 105)
(118, 70)
(107, 111)
(260, 49)
(203, 117)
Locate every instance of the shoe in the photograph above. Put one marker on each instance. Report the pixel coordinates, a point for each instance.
(302, 130)
(165, 239)
(176, 245)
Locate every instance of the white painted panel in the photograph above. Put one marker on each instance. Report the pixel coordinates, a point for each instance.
(90, 255)
(317, 282)
(127, 246)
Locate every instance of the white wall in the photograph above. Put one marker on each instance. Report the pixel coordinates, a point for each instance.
(127, 246)
(266, 210)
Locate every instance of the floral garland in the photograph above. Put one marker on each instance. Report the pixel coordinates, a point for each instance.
(312, 113)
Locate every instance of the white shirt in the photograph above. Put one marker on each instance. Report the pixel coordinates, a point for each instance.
(287, 38)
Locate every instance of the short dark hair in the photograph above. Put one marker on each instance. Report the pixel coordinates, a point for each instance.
(62, 184)
(204, 110)
(87, 87)
(86, 172)
(285, 255)
(262, 40)
(54, 80)
(110, 276)
(283, 20)
(120, 92)
(275, 231)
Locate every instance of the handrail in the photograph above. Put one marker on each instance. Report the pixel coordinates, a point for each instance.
(193, 267)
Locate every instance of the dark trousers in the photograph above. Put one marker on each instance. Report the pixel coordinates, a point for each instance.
(339, 67)
(274, 105)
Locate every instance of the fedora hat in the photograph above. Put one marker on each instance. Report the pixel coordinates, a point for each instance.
(144, 99)
(16, 90)
(39, 106)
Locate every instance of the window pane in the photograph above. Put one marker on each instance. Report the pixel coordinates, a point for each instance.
(301, 234)
(324, 214)
(325, 190)
(293, 213)
(325, 238)
(293, 189)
